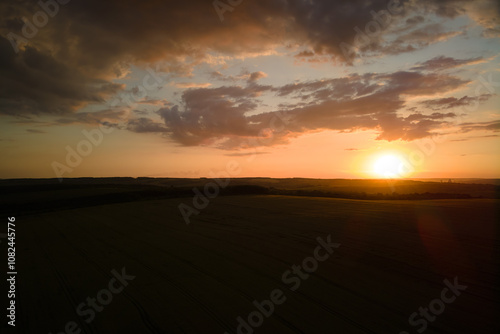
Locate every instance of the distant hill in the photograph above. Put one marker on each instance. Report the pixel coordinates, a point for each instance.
(25, 196)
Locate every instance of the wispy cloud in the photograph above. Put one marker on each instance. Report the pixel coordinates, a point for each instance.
(244, 154)
(443, 63)
(192, 85)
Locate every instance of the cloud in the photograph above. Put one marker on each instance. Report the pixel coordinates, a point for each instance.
(154, 102)
(226, 116)
(72, 61)
(418, 117)
(443, 63)
(144, 125)
(486, 14)
(254, 76)
(106, 117)
(412, 21)
(475, 137)
(453, 102)
(340, 88)
(210, 114)
(114, 32)
(227, 78)
(304, 54)
(416, 39)
(493, 126)
(192, 85)
(244, 154)
(415, 83)
(36, 83)
(250, 78)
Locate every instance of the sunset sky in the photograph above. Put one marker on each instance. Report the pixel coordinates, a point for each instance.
(287, 88)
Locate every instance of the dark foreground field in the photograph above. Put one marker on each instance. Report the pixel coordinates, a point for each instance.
(393, 258)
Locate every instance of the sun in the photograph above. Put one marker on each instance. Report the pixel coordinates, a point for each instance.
(388, 166)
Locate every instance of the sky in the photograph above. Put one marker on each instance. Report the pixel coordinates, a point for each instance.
(278, 88)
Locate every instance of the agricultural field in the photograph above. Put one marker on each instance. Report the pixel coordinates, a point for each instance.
(256, 264)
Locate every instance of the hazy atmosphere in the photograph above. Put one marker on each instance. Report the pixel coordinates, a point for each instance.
(304, 88)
